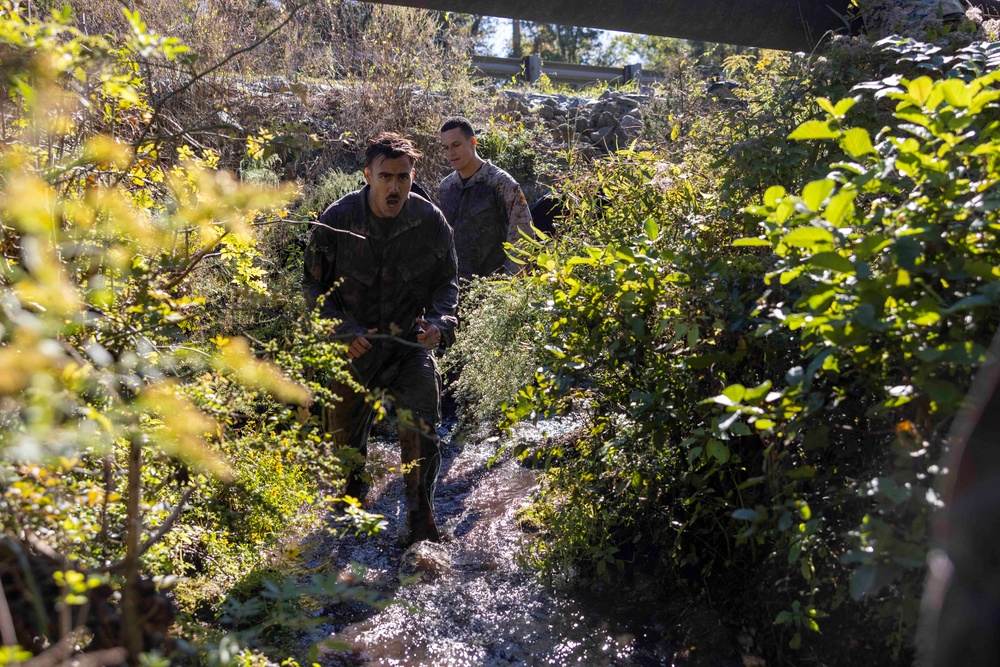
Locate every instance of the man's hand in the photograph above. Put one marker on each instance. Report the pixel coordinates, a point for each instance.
(430, 337)
(359, 346)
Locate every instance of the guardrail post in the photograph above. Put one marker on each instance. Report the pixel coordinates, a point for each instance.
(632, 72)
(531, 68)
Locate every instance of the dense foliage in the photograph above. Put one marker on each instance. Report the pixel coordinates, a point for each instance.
(134, 441)
(768, 311)
(767, 413)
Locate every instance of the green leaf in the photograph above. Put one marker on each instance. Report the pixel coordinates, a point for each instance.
(718, 450)
(746, 514)
(833, 261)
(814, 129)
(841, 205)
(734, 392)
(808, 238)
(751, 242)
(843, 106)
(773, 194)
(920, 89)
(739, 428)
(857, 142)
(816, 192)
(756, 393)
(652, 229)
(825, 105)
(956, 93)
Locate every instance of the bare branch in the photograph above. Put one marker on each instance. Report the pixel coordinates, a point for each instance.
(198, 77)
(158, 533)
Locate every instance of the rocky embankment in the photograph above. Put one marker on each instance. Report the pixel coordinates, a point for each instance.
(597, 126)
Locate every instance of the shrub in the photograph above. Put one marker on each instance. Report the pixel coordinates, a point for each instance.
(766, 418)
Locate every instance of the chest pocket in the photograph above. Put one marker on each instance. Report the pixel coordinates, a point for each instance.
(356, 267)
(484, 217)
(417, 273)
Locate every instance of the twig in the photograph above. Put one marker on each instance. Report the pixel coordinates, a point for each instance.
(157, 534)
(7, 633)
(198, 77)
(55, 654)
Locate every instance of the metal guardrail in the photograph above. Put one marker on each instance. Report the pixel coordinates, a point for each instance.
(530, 68)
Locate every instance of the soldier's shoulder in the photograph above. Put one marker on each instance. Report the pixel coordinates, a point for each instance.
(450, 181)
(344, 206)
(501, 178)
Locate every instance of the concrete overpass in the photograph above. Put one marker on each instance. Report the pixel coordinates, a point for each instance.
(790, 25)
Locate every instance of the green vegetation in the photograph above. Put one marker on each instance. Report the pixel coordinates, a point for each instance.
(767, 413)
(767, 312)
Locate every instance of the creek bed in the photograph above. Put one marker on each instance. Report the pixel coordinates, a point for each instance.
(472, 602)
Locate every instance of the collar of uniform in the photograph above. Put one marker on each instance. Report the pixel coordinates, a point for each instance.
(405, 220)
(481, 174)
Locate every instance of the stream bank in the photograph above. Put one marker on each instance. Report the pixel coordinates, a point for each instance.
(471, 601)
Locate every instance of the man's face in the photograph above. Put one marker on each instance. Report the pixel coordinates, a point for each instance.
(459, 149)
(390, 180)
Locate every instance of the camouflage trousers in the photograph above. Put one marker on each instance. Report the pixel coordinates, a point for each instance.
(412, 383)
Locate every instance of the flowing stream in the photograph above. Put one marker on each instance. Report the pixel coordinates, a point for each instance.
(474, 602)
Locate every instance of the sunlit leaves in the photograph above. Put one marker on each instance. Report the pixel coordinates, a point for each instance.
(814, 129)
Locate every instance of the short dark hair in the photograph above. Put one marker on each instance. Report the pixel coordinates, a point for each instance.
(390, 145)
(460, 122)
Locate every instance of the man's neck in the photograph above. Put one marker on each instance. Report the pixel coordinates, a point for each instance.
(473, 167)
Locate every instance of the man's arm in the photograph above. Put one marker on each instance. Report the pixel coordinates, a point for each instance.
(518, 217)
(444, 298)
(320, 275)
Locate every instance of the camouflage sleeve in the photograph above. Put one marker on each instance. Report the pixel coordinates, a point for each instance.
(518, 217)
(320, 274)
(444, 300)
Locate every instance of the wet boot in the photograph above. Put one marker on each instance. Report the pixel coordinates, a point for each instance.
(421, 457)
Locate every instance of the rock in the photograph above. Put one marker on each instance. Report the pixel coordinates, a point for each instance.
(606, 119)
(598, 136)
(629, 122)
(546, 112)
(627, 103)
(582, 123)
(428, 559)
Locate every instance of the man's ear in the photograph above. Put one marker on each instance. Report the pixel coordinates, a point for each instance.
(473, 139)
(368, 176)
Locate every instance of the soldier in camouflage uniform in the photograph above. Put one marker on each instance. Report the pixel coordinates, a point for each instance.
(483, 203)
(382, 264)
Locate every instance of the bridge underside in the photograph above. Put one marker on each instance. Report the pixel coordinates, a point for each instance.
(791, 25)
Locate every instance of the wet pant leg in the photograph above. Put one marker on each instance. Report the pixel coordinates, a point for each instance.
(349, 423)
(415, 389)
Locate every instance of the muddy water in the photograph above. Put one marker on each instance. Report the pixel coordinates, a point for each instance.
(474, 603)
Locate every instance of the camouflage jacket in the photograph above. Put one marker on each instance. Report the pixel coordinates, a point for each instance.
(487, 211)
(387, 279)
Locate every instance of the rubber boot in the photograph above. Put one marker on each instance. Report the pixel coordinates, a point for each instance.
(421, 457)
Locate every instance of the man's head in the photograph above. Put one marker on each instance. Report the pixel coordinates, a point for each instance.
(389, 162)
(458, 140)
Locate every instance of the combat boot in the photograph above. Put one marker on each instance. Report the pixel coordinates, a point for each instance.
(421, 457)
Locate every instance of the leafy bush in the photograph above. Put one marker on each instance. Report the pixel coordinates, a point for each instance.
(492, 356)
(130, 441)
(766, 417)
